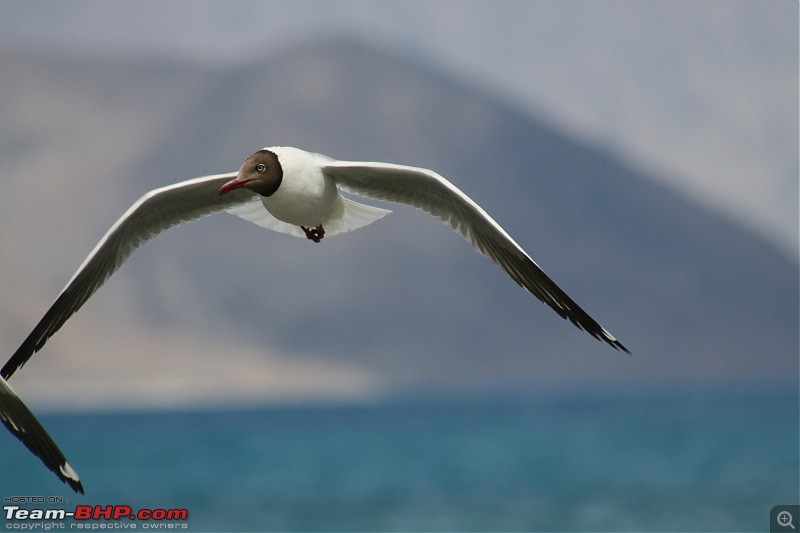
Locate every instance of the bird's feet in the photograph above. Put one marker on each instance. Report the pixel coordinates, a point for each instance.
(315, 234)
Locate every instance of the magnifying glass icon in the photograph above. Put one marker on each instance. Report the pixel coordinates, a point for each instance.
(784, 519)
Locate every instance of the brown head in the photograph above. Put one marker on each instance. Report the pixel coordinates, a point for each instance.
(261, 173)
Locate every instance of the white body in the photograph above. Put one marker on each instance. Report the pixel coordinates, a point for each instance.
(306, 197)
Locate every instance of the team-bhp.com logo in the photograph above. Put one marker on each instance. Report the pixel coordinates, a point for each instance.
(94, 517)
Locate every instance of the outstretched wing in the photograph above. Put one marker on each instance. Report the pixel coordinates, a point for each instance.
(23, 425)
(153, 213)
(430, 192)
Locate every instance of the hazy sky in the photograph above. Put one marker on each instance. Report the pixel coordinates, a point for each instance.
(703, 95)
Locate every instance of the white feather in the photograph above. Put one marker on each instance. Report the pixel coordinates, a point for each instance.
(347, 216)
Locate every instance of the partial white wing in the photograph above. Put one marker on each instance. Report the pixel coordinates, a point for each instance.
(23, 425)
(430, 192)
(255, 212)
(350, 215)
(153, 213)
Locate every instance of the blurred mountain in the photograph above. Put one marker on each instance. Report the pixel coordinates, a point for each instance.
(696, 297)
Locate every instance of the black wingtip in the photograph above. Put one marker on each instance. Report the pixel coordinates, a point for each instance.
(19, 358)
(618, 345)
(68, 475)
(610, 339)
(21, 423)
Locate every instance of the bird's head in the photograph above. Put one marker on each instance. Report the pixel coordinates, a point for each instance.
(261, 173)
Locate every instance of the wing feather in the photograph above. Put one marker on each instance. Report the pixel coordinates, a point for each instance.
(15, 415)
(156, 211)
(430, 192)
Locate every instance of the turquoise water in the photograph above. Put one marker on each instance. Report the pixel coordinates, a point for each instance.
(716, 461)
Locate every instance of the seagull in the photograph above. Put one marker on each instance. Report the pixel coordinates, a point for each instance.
(293, 191)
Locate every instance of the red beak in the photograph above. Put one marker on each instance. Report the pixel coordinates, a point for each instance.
(235, 183)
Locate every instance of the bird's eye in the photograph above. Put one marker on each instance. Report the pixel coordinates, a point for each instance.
(261, 167)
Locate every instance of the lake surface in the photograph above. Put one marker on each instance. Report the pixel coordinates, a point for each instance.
(711, 461)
